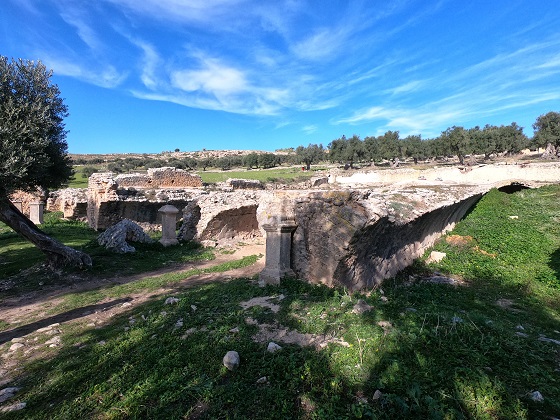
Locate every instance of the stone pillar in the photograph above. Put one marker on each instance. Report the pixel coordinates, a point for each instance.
(36, 212)
(278, 253)
(168, 225)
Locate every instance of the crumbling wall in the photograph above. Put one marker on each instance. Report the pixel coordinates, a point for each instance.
(111, 199)
(71, 201)
(357, 238)
(166, 177)
(222, 215)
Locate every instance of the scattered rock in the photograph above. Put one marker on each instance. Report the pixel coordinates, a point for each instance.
(48, 328)
(231, 360)
(377, 395)
(263, 302)
(549, 340)
(456, 320)
(273, 347)
(262, 380)
(234, 330)
(126, 304)
(179, 323)
(7, 393)
(439, 279)
(386, 325)
(53, 342)
(194, 308)
(435, 257)
(521, 334)
(16, 346)
(520, 328)
(361, 307)
(536, 396)
(514, 217)
(171, 300)
(13, 407)
(18, 340)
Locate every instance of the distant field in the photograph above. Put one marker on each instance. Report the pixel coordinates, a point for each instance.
(281, 174)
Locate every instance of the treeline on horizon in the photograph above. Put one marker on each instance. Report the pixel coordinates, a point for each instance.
(488, 141)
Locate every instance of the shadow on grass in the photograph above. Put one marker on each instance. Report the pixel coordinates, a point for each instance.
(441, 352)
(8, 335)
(109, 269)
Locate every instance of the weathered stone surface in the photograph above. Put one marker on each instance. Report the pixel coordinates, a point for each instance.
(109, 202)
(115, 238)
(71, 201)
(244, 184)
(231, 360)
(166, 177)
(222, 215)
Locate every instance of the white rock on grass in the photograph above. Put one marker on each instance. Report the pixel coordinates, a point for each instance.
(53, 342)
(171, 300)
(7, 393)
(273, 347)
(16, 346)
(231, 360)
(536, 396)
(13, 407)
(262, 380)
(361, 307)
(436, 257)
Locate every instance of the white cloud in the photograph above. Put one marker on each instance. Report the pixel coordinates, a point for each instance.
(310, 129)
(107, 77)
(213, 78)
(324, 43)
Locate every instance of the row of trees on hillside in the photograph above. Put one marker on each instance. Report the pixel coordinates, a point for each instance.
(455, 141)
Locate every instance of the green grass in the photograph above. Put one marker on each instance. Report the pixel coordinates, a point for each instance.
(434, 351)
(21, 262)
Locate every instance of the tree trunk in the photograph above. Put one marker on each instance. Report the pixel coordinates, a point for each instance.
(58, 254)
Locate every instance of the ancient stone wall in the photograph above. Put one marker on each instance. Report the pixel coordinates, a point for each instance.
(160, 178)
(357, 238)
(222, 216)
(71, 201)
(136, 197)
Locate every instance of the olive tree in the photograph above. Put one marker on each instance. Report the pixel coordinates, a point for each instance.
(33, 149)
(547, 130)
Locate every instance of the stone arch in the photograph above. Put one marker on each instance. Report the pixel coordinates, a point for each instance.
(240, 223)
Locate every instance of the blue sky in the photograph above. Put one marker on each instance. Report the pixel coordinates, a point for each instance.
(155, 75)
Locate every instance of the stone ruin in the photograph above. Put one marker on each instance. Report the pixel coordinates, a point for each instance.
(137, 197)
(346, 230)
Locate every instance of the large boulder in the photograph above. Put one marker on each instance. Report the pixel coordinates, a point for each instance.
(115, 238)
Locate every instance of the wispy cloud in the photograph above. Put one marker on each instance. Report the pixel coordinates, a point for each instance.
(107, 77)
(309, 129)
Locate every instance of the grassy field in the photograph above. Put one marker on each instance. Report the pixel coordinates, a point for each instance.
(478, 350)
(279, 174)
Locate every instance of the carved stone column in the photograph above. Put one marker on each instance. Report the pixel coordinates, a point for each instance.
(278, 253)
(36, 212)
(168, 225)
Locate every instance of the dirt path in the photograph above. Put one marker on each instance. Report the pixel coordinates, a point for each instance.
(32, 311)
